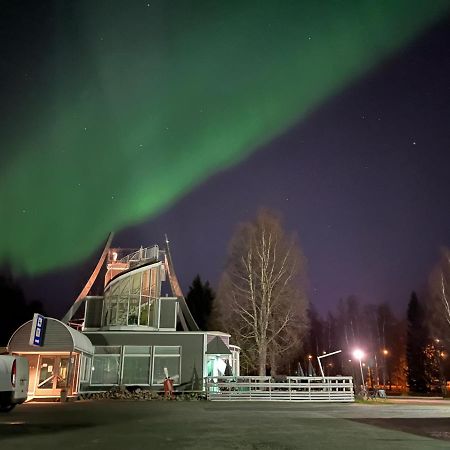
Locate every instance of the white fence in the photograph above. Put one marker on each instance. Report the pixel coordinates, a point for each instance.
(297, 389)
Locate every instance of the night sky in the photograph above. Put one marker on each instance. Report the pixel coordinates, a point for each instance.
(154, 119)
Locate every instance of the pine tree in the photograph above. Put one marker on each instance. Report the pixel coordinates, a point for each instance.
(416, 345)
(200, 300)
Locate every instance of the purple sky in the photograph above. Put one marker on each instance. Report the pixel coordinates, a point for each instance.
(364, 182)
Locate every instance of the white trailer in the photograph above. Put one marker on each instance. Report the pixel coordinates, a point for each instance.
(13, 381)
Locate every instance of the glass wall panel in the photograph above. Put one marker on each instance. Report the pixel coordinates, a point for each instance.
(105, 369)
(136, 370)
(63, 375)
(113, 311)
(133, 314)
(143, 320)
(166, 350)
(107, 350)
(168, 358)
(46, 373)
(136, 350)
(106, 365)
(85, 369)
(136, 365)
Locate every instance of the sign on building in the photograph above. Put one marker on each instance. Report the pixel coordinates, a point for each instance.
(37, 330)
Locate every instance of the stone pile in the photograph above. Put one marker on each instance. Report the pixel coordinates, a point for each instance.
(124, 393)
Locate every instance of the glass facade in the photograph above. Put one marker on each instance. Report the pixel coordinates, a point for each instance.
(136, 365)
(131, 365)
(132, 299)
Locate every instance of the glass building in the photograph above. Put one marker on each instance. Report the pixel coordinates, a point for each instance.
(132, 335)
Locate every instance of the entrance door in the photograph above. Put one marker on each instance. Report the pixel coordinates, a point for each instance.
(53, 375)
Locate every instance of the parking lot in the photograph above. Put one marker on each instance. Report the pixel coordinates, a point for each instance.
(231, 425)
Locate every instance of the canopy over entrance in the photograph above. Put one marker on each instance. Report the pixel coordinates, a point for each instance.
(58, 338)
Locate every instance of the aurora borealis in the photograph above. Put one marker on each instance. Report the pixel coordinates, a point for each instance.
(128, 105)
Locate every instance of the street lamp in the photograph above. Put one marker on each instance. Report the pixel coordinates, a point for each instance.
(385, 352)
(324, 356)
(359, 355)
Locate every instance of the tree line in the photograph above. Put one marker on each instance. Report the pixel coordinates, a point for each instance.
(262, 302)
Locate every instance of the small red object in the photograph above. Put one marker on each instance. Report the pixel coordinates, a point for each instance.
(168, 388)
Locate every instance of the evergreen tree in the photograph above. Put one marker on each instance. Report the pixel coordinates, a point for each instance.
(416, 345)
(15, 310)
(200, 300)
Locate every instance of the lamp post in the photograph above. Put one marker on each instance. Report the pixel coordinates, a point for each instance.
(385, 353)
(359, 355)
(324, 355)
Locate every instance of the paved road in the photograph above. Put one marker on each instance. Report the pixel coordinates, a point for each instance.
(238, 425)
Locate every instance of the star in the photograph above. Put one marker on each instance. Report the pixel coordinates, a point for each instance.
(414, 143)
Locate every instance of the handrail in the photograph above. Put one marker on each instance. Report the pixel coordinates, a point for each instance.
(142, 254)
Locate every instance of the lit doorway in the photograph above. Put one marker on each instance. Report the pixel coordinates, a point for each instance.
(54, 373)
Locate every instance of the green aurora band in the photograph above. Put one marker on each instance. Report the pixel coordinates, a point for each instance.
(143, 102)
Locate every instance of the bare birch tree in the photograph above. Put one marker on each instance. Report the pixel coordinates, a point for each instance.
(439, 305)
(444, 285)
(261, 296)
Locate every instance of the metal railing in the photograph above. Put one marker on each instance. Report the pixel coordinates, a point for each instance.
(141, 255)
(297, 389)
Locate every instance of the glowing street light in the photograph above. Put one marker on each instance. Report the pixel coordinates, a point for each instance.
(359, 355)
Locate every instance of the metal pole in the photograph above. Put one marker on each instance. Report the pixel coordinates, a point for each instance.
(362, 375)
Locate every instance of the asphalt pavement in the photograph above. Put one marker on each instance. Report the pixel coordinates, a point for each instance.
(127, 425)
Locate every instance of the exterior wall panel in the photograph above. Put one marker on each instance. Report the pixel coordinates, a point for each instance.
(191, 350)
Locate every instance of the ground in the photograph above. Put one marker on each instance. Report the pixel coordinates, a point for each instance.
(128, 425)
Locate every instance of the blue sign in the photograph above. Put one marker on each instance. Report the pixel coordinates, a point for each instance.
(37, 330)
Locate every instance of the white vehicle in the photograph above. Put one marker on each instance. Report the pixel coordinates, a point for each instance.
(13, 381)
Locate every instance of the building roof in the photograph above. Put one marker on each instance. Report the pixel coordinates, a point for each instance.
(58, 337)
(217, 347)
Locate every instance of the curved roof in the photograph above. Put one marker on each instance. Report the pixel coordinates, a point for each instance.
(58, 338)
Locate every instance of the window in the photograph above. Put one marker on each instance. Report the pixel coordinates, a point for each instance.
(136, 365)
(106, 365)
(85, 369)
(166, 358)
